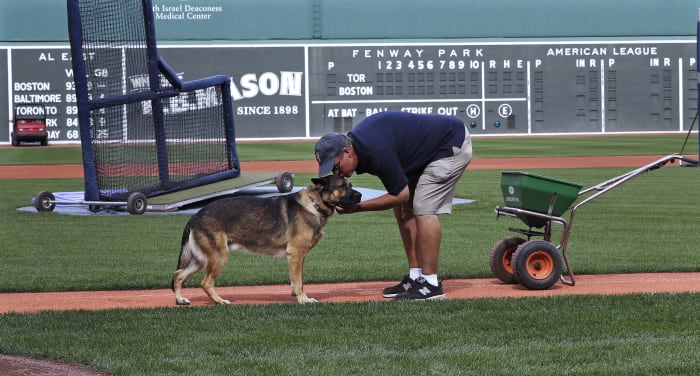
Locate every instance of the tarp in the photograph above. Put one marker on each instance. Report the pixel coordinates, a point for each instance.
(264, 191)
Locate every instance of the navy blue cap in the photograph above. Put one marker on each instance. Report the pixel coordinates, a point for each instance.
(328, 148)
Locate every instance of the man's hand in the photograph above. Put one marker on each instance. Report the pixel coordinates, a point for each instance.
(348, 209)
(383, 202)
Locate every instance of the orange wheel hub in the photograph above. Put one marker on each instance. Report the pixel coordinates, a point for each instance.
(539, 265)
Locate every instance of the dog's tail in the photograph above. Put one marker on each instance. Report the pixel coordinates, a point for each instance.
(185, 254)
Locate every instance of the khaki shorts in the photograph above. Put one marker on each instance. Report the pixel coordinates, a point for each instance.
(435, 188)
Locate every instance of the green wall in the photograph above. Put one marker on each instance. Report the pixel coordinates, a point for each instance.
(24, 21)
(508, 18)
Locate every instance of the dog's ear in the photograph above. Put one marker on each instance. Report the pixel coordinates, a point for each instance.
(320, 183)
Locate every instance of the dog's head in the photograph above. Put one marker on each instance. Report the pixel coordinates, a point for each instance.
(335, 190)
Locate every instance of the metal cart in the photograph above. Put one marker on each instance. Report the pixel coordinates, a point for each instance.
(539, 202)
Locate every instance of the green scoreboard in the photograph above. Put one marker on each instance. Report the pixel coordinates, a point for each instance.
(284, 91)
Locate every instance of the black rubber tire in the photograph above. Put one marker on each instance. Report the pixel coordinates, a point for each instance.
(136, 203)
(284, 182)
(500, 258)
(44, 201)
(537, 265)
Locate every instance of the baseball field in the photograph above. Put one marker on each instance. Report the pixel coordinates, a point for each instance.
(632, 312)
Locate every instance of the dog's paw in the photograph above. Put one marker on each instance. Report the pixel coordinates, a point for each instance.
(308, 300)
(224, 302)
(183, 301)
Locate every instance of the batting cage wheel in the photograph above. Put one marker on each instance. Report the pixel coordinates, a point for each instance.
(500, 258)
(136, 203)
(284, 182)
(536, 265)
(44, 201)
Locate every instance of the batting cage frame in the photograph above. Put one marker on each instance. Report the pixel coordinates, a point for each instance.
(142, 128)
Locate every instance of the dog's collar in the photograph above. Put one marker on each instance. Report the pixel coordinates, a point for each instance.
(318, 207)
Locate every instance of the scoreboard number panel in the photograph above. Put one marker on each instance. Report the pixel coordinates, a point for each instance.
(502, 88)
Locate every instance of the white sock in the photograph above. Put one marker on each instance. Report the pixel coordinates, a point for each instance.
(431, 278)
(414, 273)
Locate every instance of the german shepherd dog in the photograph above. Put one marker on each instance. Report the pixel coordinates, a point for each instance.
(281, 226)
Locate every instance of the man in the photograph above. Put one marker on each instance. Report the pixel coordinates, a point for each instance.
(419, 160)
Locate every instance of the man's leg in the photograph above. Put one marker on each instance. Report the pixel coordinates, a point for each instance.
(407, 228)
(428, 239)
(406, 222)
(434, 192)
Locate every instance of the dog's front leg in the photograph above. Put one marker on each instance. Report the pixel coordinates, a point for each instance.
(295, 260)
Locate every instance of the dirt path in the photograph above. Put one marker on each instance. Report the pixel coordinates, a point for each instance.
(608, 284)
(309, 166)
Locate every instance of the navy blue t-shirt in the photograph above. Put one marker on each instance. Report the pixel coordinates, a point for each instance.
(395, 145)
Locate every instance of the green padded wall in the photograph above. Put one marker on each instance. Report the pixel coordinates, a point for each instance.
(273, 20)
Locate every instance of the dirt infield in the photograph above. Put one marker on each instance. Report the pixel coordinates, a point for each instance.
(21, 366)
(309, 166)
(608, 284)
(339, 292)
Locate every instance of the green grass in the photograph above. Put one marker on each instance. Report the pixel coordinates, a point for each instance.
(647, 225)
(567, 335)
(484, 147)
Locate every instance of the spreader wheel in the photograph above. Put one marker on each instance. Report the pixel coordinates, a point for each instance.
(284, 182)
(44, 201)
(536, 265)
(500, 256)
(136, 203)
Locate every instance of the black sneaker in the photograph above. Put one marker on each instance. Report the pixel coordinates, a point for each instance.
(406, 284)
(422, 290)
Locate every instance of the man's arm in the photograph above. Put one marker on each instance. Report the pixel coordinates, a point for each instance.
(383, 202)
